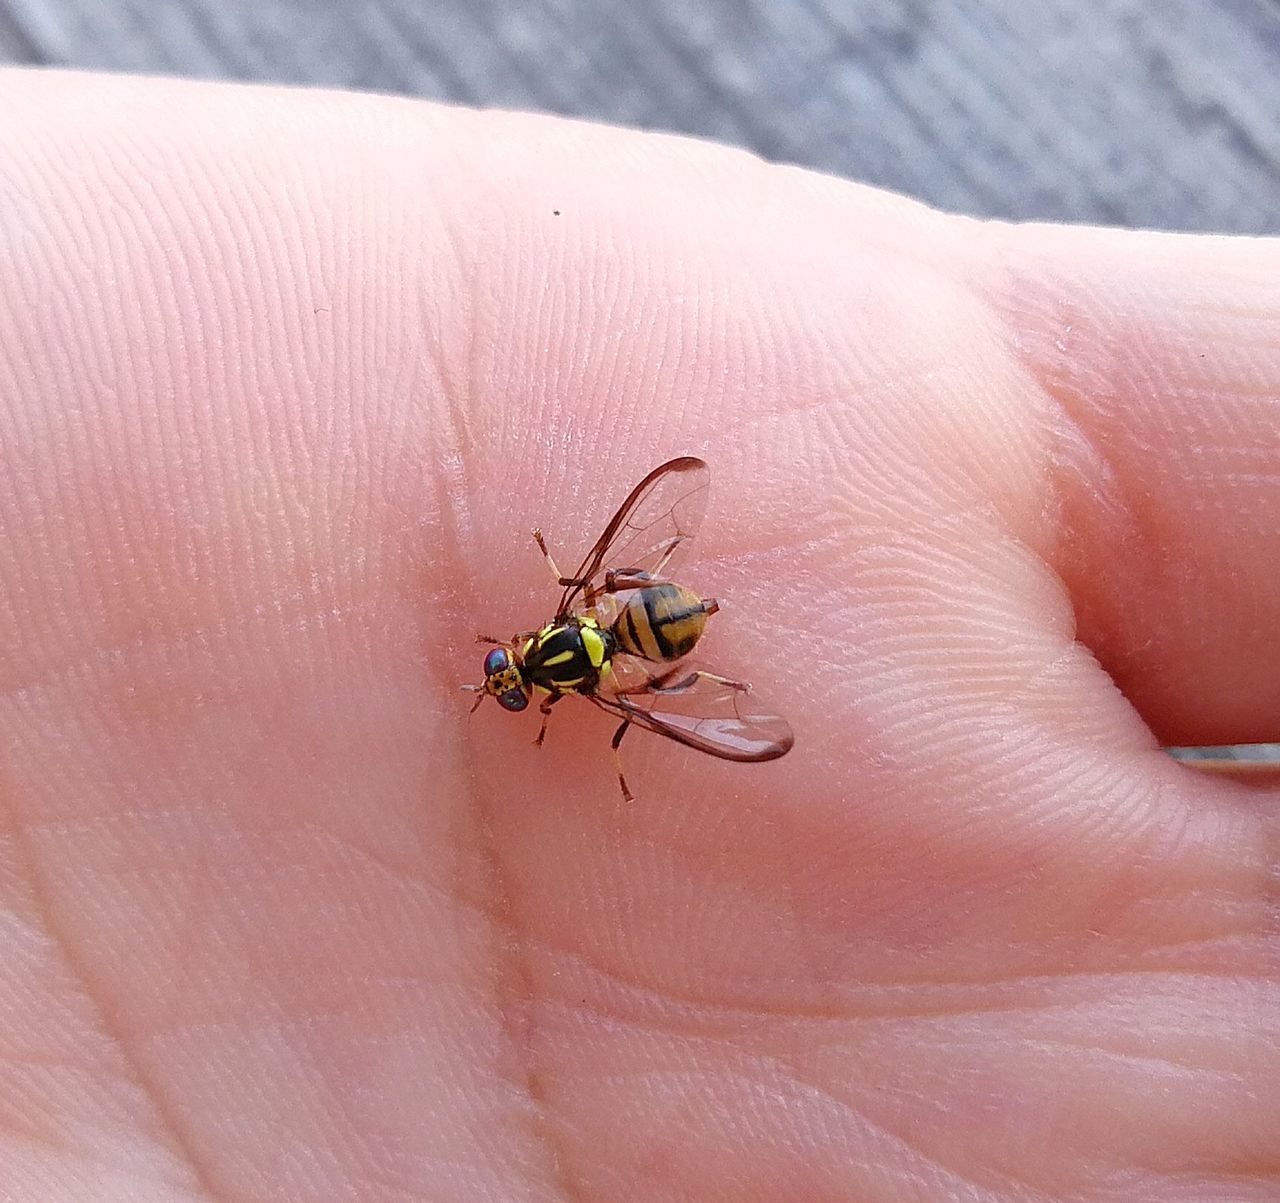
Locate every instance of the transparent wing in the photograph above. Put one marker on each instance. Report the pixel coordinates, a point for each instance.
(703, 711)
(662, 513)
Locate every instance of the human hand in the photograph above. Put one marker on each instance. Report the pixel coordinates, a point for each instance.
(286, 379)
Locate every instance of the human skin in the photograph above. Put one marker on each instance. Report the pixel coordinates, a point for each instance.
(285, 380)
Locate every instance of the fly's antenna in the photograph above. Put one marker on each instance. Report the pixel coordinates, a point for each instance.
(475, 689)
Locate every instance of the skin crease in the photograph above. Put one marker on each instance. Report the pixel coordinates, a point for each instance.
(285, 379)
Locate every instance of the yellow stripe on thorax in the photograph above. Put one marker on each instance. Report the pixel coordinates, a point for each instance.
(593, 641)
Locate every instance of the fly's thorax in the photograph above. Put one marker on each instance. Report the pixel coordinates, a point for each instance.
(568, 656)
(660, 622)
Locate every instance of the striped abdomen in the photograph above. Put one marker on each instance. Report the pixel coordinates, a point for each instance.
(661, 622)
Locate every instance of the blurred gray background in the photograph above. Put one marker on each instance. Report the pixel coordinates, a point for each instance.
(1158, 113)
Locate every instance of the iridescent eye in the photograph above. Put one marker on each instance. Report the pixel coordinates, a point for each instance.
(496, 661)
(513, 699)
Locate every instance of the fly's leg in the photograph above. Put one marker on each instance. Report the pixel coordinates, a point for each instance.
(654, 684)
(517, 639)
(546, 555)
(545, 711)
(672, 682)
(627, 795)
(617, 579)
(667, 553)
(738, 686)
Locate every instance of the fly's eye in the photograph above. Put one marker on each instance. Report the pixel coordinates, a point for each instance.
(496, 661)
(513, 699)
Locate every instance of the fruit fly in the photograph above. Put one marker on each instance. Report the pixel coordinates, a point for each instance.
(621, 625)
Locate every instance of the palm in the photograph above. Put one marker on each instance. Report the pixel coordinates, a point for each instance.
(283, 923)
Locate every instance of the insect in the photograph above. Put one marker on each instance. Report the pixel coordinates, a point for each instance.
(621, 626)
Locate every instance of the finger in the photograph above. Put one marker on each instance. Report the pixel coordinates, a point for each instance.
(322, 503)
(972, 799)
(1159, 357)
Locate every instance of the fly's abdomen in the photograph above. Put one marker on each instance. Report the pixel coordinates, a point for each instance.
(662, 622)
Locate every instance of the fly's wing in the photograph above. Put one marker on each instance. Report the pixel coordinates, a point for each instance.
(663, 512)
(702, 711)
